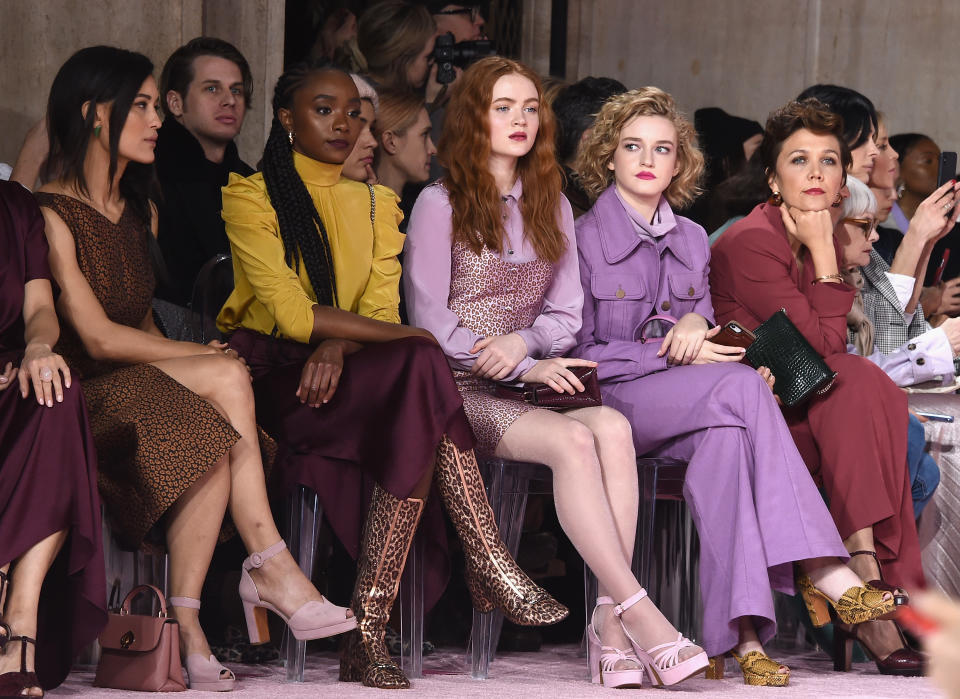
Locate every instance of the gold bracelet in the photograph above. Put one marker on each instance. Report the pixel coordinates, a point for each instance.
(827, 277)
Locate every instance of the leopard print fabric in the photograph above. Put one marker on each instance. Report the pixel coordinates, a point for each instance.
(493, 577)
(493, 297)
(154, 438)
(387, 535)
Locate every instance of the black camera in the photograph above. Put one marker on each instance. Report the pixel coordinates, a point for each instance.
(447, 54)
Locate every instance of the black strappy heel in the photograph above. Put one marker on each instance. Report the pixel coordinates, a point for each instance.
(899, 596)
(12, 684)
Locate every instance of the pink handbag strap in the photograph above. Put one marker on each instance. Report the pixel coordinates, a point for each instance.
(663, 318)
(136, 592)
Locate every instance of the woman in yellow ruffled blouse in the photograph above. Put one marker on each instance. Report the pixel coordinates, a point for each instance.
(350, 394)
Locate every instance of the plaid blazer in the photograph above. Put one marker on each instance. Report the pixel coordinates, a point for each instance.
(880, 303)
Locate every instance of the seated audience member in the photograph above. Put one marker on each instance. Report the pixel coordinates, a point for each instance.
(885, 324)
(205, 90)
(491, 271)
(349, 393)
(575, 108)
(919, 159)
(736, 197)
(753, 501)
(884, 313)
(406, 148)
(173, 422)
(860, 123)
(395, 38)
(883, 181)
(464, 20)
(853, 438)
(359, 164)
(727, 143)
(919, 166)
(49, 536)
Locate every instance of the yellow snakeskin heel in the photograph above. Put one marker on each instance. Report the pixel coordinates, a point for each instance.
(858, 604)
(760, 671)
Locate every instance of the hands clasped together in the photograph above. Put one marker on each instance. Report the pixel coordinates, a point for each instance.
(499, 355)
(688, 342)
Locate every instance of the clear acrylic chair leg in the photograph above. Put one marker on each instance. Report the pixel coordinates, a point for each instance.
(507, 490)
(303, 529)
(411, 612)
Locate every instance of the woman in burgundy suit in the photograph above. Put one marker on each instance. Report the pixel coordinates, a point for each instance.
(854, 438)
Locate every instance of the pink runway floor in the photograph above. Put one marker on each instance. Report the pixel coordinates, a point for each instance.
(556, 672)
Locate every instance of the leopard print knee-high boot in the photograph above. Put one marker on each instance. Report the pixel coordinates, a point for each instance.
(494, 578)
(387, 534)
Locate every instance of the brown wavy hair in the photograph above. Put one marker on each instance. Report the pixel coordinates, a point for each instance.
(600, 145)
(810, 114)
(464, 150)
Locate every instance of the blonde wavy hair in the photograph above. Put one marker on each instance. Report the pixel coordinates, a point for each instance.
(598, 149)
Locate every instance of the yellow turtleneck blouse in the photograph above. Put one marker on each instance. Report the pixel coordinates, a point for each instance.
(268, 293)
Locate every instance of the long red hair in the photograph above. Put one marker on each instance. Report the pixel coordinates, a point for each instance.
(464, 150)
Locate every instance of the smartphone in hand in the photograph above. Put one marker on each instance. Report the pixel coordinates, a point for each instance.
(948, 167)
(734, 335)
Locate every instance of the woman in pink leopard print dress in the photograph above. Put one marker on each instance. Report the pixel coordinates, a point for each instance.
(492, 273)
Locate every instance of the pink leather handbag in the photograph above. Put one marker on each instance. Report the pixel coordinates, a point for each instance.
(662, 319)
(139, 652)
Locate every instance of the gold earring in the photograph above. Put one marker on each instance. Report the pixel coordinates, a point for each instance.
(838, 201)
(776, 199)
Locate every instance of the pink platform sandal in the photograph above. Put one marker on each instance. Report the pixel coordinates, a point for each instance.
(603, 659)
(204, 674)
(662, 662)
(312, 620)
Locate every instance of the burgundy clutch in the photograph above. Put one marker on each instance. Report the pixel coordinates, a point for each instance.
(542, 396)
(140, 652)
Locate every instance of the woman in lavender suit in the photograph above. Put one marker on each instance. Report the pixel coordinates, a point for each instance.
(751, 496)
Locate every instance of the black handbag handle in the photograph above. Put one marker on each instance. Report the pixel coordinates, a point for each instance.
(137, 591)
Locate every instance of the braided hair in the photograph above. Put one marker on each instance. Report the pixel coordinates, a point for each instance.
(299, 220)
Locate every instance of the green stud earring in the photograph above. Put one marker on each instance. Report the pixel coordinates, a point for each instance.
(96, 131)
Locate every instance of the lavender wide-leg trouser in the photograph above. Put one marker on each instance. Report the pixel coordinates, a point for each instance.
(751, 496)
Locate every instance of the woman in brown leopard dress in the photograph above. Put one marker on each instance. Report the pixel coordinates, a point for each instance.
(173, 421)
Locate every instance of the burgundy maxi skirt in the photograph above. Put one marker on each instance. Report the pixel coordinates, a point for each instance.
(48, 482)
(393, 404)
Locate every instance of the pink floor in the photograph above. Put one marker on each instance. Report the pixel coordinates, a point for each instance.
(555, 672)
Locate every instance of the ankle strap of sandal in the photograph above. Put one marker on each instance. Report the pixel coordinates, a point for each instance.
(256, 560)
(605, 600)
(188, 602)
(629, 602)
(24, 640)
(864, 553)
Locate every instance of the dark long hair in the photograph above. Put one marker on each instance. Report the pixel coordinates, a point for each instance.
(301, 229)
(97, 75)
(857, 111)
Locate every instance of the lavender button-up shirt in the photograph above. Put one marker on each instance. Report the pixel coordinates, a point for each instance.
(632, 269)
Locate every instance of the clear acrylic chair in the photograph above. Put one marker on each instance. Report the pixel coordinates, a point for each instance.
(509, 483)
(213, 285)
(666, 548)
(304, 517)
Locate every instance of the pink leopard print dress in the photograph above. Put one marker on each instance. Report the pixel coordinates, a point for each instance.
(493, 297)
